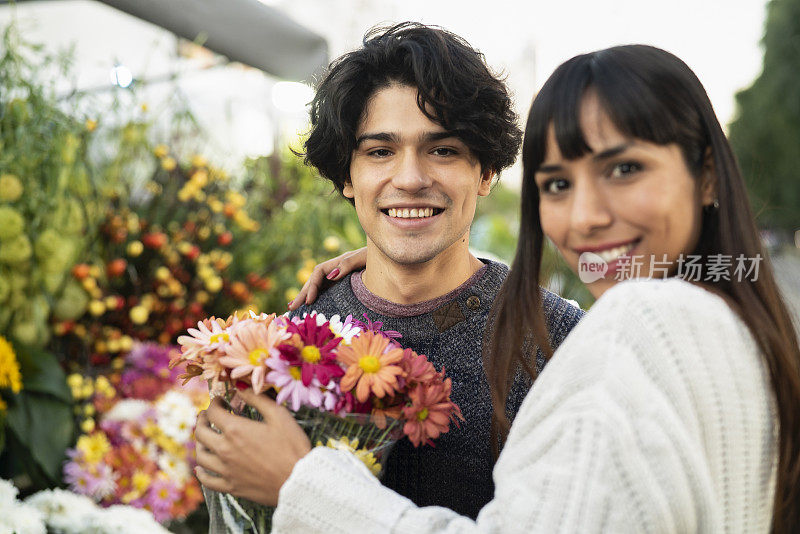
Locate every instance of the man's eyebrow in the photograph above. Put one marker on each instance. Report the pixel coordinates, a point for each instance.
(605, 154)
(388, 137)
(428, 137)
(392, 137)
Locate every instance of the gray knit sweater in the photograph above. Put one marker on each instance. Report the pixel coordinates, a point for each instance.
(457, 472)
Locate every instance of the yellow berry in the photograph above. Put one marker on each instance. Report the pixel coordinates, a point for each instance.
(135, 248)
(97, 308)
(331, 243)
(75, 380)
(87, 426)
(168, 163)
(125, 343)
(139, 314)
(161, 151)
(213, 284)
(291, 293)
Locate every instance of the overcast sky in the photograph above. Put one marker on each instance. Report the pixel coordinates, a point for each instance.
(719, 39)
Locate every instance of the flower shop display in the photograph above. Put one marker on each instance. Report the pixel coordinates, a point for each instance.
(138, 449)
(349, 384)
(63, 512)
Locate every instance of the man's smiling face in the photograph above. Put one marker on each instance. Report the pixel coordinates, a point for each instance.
(414, 185)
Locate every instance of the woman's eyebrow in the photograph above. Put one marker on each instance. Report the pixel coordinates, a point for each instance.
(611, 152)
(600, 156)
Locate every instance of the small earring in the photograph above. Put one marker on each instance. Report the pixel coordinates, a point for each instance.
(716, 204)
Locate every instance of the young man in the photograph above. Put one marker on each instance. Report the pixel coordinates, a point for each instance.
(412, 128)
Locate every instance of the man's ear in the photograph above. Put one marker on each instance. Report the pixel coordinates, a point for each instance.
(708, 180)
(485, 186)
(347, 189)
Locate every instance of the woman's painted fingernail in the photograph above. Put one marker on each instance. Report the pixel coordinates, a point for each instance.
(333, 274)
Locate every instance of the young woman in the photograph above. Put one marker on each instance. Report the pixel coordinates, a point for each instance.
(674, 406)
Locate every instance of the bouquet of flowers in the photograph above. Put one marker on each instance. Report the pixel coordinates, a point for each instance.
(349, 384)
(140, 451)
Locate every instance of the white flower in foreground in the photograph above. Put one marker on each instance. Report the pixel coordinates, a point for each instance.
(8, 494)
(127, 410)
(176, 416)
(22, 519)
(63, 510)
(120, 519)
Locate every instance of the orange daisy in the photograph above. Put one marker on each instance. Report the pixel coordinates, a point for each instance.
(372, 366)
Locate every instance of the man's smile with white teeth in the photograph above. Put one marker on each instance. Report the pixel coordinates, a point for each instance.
(412, 213)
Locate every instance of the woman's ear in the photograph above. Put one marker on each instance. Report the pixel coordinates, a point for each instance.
(485, 187)
(708, 180)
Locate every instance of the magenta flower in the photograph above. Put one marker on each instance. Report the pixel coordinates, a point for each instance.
(312, 348)
(376, 327)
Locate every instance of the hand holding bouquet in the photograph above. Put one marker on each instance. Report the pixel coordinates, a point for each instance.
(349, 384)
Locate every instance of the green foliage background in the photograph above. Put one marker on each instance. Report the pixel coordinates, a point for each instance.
(766, 133)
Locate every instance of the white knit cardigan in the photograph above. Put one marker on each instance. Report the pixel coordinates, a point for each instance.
(655, 415)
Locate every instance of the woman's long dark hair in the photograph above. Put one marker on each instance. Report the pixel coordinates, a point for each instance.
(652, 95)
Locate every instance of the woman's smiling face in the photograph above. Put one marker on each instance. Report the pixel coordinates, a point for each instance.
(626, 201)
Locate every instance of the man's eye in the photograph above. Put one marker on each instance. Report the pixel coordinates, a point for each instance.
(554, 186)
(379, 153)
(627, 168)
(444, 151)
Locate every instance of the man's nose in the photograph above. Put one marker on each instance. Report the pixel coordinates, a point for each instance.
(410, 174)
(590, 208)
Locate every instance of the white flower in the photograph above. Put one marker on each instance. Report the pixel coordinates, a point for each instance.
(22, 519)
(176, 469)
(176, 416)
(8, 494)
(63, 510)
(127, 410)
(320, 317)
(120, 519)
(344, 329)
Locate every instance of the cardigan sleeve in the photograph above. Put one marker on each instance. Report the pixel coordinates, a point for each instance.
(571, 477)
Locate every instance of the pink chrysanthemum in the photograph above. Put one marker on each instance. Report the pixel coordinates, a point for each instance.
(430, 412)
(291, 389)
(252, 343)
(95, 481)
(416, 367)
(160, 497)
(210, 335)
(311, 346)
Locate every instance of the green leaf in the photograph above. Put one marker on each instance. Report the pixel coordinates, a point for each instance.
(41, 373)
(44, 425)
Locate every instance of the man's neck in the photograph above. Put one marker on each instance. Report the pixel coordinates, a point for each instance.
(411, 284)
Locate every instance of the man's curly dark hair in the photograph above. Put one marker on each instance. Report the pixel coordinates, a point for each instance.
(451, 77)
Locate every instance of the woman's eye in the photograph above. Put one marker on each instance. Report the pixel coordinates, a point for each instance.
(379, 153)
(621, 170)
(554, 186)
